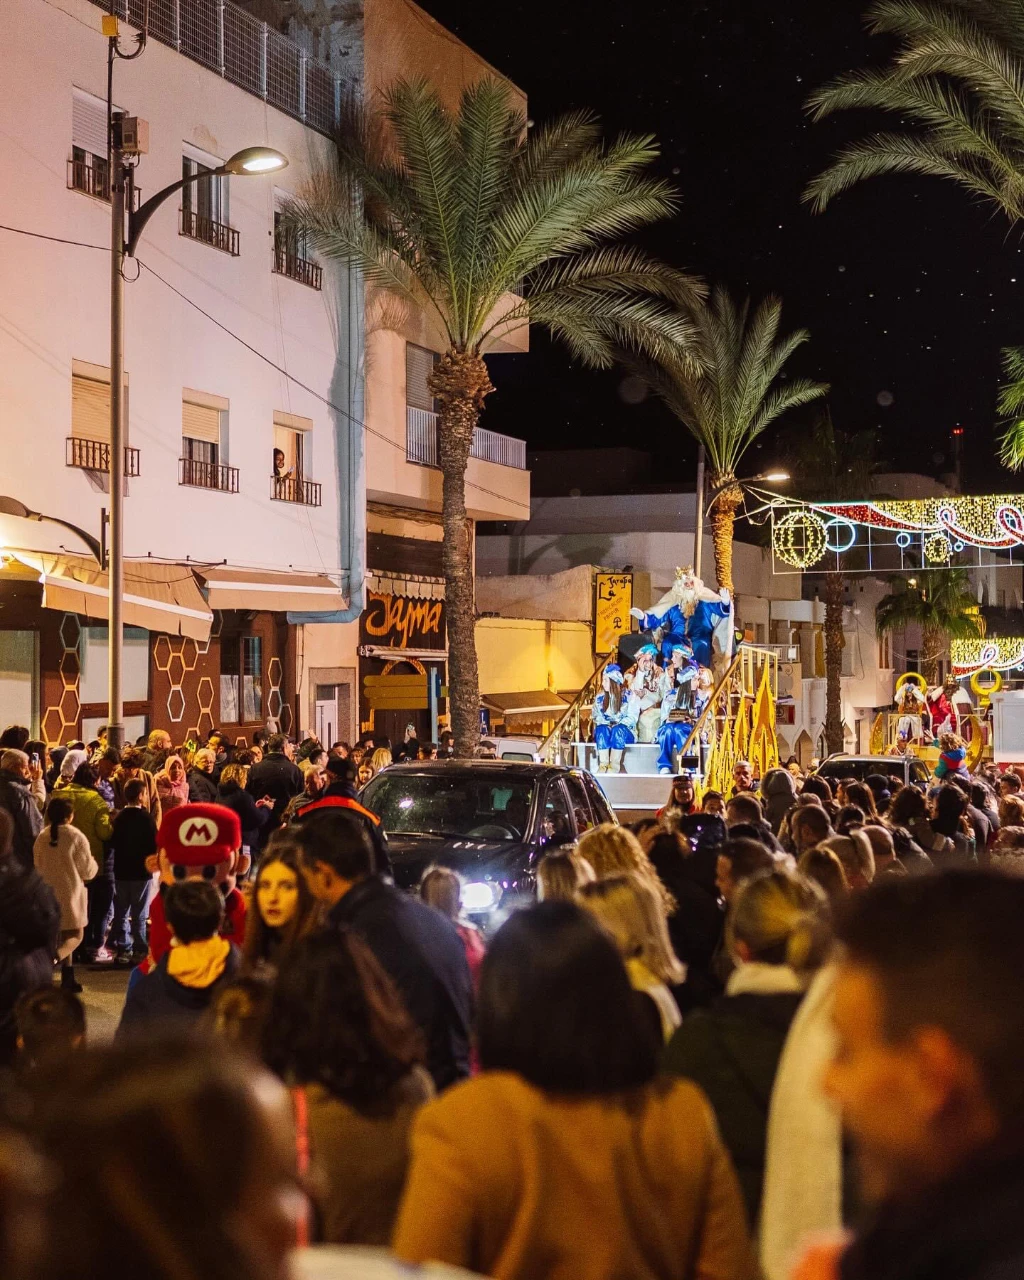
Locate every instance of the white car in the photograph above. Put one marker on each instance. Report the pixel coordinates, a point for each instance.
(525, 749)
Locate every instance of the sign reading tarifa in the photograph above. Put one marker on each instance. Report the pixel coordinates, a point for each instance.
(399, 622)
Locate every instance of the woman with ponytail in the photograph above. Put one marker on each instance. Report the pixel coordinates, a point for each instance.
(65, 861)
(778, 932)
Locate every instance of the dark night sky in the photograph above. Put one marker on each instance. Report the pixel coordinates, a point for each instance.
(907, 287)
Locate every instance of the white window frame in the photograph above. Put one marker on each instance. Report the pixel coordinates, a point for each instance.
(219, 209)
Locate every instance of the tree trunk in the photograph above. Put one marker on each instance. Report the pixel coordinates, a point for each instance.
(459, 382)
(835, 589)
(723, 517)
(933, 646)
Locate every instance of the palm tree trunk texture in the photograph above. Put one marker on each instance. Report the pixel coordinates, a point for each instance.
(933, 645)
(723, 518)
(459, 382)
(835, 589)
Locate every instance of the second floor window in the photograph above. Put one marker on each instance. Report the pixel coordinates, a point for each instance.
(419, 363)
(208, 198)
(88, 170)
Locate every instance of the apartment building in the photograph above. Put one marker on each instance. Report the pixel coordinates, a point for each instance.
(281, 517)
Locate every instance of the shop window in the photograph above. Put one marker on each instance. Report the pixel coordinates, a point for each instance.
(241, 678)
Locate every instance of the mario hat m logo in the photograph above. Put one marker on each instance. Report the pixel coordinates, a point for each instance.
(198, 833)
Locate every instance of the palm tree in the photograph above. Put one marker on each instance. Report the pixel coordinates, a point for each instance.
(833, 466)
(941, 603)
(454, 212)
(958, 79)
(1011, 406)
(729, 402)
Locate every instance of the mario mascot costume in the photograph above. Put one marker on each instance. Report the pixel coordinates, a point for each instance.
(197, 842)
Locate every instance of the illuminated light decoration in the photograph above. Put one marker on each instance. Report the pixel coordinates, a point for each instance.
(840, 535)
(937, 549)
(903, 539)
(916, 677)
(799, 538)
(993, 653)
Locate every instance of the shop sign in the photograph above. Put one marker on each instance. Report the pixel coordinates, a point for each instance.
(613, 601)
(399, 622)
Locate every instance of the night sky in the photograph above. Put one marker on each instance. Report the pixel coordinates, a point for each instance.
(909, 289)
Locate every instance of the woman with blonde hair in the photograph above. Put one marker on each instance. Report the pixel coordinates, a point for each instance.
(380, 759)
(561, 875)
(615, 851)
(253, 815)
(629, 909)
(778, 933)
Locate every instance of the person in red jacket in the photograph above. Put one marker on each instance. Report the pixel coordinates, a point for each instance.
(197, 842)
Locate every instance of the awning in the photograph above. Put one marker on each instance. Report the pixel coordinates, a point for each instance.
(540, 703)
(158, 597)
(411, 585)
(390, 654)
(228, 588)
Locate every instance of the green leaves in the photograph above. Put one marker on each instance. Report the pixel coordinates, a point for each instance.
(461, 209)
(940, 601)
(1011, 406)
(729, 394)
(958, 81)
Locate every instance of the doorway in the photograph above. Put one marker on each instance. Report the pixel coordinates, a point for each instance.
(331, 695)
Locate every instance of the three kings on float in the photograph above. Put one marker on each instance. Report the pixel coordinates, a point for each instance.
(685, 637)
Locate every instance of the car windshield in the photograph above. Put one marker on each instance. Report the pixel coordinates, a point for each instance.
(479, 808)
(861, 769)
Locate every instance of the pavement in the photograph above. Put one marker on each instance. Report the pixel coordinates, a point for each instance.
(103, 998)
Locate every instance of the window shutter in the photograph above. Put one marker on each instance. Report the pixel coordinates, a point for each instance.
(419, 362)
(89, 123)
(200, 422)
(90, 409)
(292, 421)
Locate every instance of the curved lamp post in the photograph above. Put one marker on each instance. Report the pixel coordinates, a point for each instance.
(127, 225)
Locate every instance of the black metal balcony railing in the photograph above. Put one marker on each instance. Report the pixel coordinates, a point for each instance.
(217, 234)
(296, 268)
(94, 455)
(208, 475)
(94, 180)
(290, 489)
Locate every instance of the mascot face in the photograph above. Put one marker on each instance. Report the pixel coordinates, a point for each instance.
(199, 842)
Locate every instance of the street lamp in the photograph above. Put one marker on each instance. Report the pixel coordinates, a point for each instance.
(771, 477)
(12, 507)
(126, 226)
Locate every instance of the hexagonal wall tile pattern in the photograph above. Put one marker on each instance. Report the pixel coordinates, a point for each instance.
(60, 722)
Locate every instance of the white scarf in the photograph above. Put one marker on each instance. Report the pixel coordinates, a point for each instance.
(757, 979)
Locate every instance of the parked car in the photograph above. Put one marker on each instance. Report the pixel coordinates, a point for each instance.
(489, 820)
(905, 769)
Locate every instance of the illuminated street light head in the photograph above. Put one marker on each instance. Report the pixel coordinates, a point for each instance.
(254, 160)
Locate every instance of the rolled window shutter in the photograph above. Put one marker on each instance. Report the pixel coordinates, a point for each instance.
(419, 363)
(90, 409)
(89, 123)
(200, 422)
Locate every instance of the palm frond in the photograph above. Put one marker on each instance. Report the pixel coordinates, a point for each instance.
(1011, 407)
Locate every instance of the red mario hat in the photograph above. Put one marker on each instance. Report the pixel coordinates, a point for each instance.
(200, 835)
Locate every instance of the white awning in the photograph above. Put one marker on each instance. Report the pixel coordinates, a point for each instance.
(228, 588)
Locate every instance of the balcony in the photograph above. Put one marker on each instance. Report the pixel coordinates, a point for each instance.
(292, 489)
(216, 234)
(488, 446)
(296, 268)
(94, 455)
(93, 179)
(207, 475)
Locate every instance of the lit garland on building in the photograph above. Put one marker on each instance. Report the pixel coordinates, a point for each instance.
(993, 653)
(921, 532)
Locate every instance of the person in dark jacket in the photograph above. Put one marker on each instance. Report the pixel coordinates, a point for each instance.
(341, 794)
(277, 777)
(133, 844)
(190, 973)
(17, 800)
(686, 865)
(415, 944)
(930, 1031)
(777, 933)
(253, 815)
(202, 789)
(29, 925)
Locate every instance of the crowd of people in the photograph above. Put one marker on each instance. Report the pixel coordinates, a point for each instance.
(766, 1034)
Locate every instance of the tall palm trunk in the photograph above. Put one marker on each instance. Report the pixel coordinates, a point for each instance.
(460, 383)
(933, 645)
(835, 589)
(727, 502)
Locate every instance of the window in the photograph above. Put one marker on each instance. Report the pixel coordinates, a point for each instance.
(293, 256)
(204, 205)
(419, 364)
(88, 170)
(89, 441)
(885, 653)
(556, 825)
(292, 458)
(204, 442)
(241, 678)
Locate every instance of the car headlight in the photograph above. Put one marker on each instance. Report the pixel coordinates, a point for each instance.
(480, 896)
